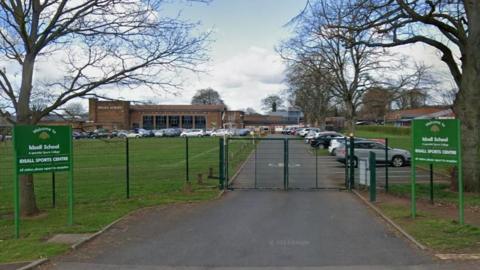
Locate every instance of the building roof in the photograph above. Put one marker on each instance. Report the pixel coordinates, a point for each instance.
(414, 113)
(174, 108)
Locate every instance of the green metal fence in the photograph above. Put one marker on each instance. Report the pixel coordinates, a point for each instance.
(118, 169)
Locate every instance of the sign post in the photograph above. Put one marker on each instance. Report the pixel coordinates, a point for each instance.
(437, 142)
(42, 149)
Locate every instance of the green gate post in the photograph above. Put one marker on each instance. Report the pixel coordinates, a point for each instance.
(255, 164)
(413, 183)
(352, 163)
(226, 164)
(221, 168)
(346, 163)
(70, 181)
(285, 164)
(16, 192)
(187, 176)
(387, 163)
(372, 159)
(316, 167)
(53, 190)
(431, 183)
(127, 167)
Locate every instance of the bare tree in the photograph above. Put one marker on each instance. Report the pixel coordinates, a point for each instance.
(74, 110)
(207, 96)
(89, 45)
(336, 51)
(310, 89)
(272, 103)
(453, 29)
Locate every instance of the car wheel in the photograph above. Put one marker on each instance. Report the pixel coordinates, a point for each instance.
(398, 161)
(334, 152)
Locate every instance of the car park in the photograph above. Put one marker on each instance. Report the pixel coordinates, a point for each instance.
(172, 132)
(396, 157)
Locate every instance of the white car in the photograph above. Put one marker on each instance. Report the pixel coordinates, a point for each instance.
(158, 133)
(134, 135)
(221, 133)
(193, 133)
(334, 144)
(312, 134)
(303, 132)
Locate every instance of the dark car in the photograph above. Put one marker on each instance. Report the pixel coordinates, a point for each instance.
(323, 139)
(100, 133)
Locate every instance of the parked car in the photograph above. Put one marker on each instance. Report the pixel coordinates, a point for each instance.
(145, 132)
(340, 141)
(304, 131)
(100, 133)
(172, 132)
(396, 157)
(312, 134)
(192, 133)
(322, 139)
(121, 133)
(158, 132)
(221, 133)
(208, 132)
(133, 135)
(80, 135)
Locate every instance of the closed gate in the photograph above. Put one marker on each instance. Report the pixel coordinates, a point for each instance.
(280, 163)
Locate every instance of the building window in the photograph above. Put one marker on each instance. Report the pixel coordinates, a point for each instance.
(160, 121)
(174, 121)
(187, 121)
(148, 122)
(200, 122)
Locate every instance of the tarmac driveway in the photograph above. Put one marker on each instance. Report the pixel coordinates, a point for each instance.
(254, 228)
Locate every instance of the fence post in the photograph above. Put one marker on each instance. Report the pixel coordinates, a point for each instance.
(346, 164)
(431, 183)
(352, 162)
(316, 167)
(387, 163)
(373, 176)
(285, 164)
(255, 161)
(187, 176)
(221, 168)
(53, 190)
(127, 167)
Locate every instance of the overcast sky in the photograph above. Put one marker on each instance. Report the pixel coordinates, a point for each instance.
(244, 66)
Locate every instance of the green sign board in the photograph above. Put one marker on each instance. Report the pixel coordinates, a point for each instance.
(42, 148)
(436, 141)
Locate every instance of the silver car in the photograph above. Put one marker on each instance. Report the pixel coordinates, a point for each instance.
(396, 157)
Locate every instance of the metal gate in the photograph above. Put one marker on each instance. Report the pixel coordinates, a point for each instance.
(280, 163)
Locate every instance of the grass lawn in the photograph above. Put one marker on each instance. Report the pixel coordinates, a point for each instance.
(439, 234)
(157, 176)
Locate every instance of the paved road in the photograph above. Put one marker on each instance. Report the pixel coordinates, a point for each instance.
(251, 229)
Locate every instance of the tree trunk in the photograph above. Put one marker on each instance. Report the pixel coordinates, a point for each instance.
(468, 111)
(349, 118)
(28, 203)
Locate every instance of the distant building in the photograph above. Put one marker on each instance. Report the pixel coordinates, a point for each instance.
(401, 118)
(124, 115)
